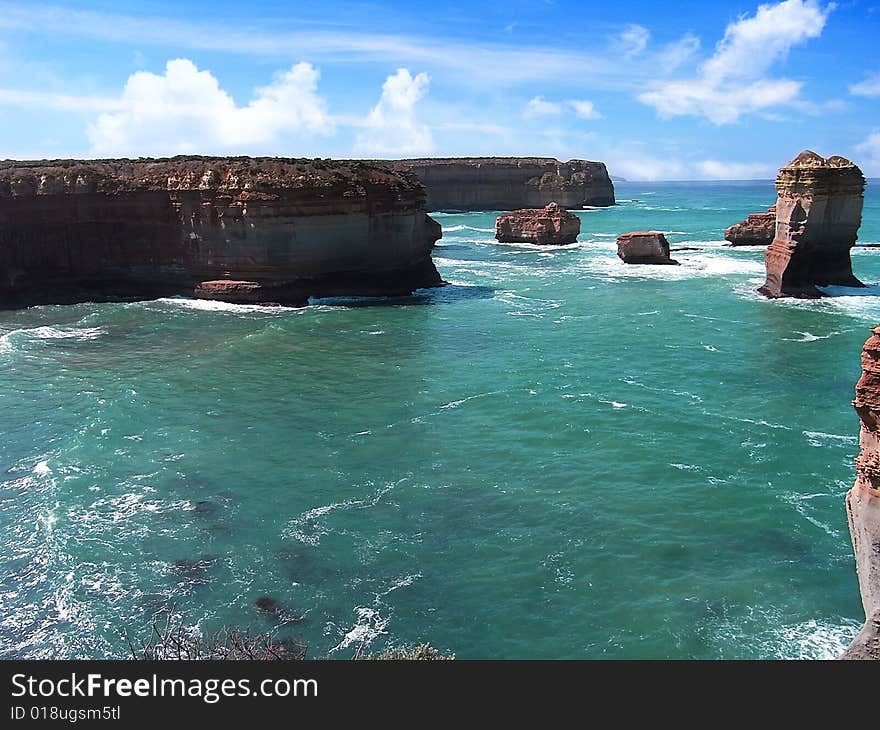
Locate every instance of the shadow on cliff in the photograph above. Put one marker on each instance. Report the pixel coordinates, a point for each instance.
(446, 294)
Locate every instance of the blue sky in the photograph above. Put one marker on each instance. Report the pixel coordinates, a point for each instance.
(684, 90)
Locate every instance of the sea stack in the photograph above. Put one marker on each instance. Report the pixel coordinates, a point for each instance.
(818, 213)
(235, 229)
(510, 183)
(644, 247)
(549, 225)
(758, 229)
(863, 502)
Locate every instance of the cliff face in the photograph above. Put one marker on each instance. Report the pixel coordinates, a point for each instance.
(549, 225)
(509, 183)
(98, 230)
(863, 502)
(758, 229)
(818, 213)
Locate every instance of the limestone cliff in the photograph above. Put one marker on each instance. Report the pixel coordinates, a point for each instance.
(818, 213)
(510, 183)
(286, 228)
(863, 502)
(758, 229)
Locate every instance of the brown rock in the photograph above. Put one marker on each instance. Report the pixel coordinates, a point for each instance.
(510, 183)
(756, 230)
(99, 230)
(549, 225)
(644, 247)
(227, 290)
(863, 502)
(818, 213)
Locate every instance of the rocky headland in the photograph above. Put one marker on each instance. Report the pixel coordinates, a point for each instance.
(758, 229)
(644, 247)
(235, 229)
(863, 502)
(510, 183)
(548, 225)
(818, 213)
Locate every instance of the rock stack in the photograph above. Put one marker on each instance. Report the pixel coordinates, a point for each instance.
(644, 247)
(863, 502)
(758, 229)
(818, 213)
(549, 225)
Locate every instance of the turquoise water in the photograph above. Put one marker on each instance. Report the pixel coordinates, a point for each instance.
(556, 456)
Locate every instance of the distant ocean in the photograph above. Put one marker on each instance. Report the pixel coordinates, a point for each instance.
(555, 456)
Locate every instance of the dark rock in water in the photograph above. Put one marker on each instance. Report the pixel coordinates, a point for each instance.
(644, 247)
(549, 225)
(234, 229)
(818, 213)
(863, 502)
(206, 508)
(686, 248)
(508, 183)
(275, 611)
(756, 230)
(194, 572)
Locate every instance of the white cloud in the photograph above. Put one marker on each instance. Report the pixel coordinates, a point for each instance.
(392, 127)
(59, 102)
(584, 109)
(540, 107)
(868, 87)
(731, 82)
(719, 170)
(633, 40)
(675, 54)
(185, 110)
(870, 148)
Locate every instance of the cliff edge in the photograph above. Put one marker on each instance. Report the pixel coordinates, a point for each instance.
(98, 230)
(863, 502)
(511, 183)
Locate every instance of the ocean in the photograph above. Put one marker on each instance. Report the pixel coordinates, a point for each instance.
(556, 456)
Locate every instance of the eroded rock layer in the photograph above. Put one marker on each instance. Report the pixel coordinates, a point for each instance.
(758, 229)
(283, 229)
(644, 247)
(818, 213)
(863, 502)
(548, 225)
(510, 183)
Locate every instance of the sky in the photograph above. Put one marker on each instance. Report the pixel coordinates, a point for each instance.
(729, 89)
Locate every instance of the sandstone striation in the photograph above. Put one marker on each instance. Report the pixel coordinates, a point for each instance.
(818, 212)
(549, 225)
(510, 183)
(644, 247)
(756, 230)
(863, 502)
(275, 229)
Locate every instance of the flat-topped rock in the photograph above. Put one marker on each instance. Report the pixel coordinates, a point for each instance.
(510, 183)
(283, 229)
(644, 247)
(818, 213)
(756, 230)
(548, 225)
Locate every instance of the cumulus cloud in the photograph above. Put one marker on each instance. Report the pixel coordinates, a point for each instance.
(732, 81)
(869, 87)
(870, 148)
(185, 110)
(633, 40)
(540, 107)
(392, 127)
